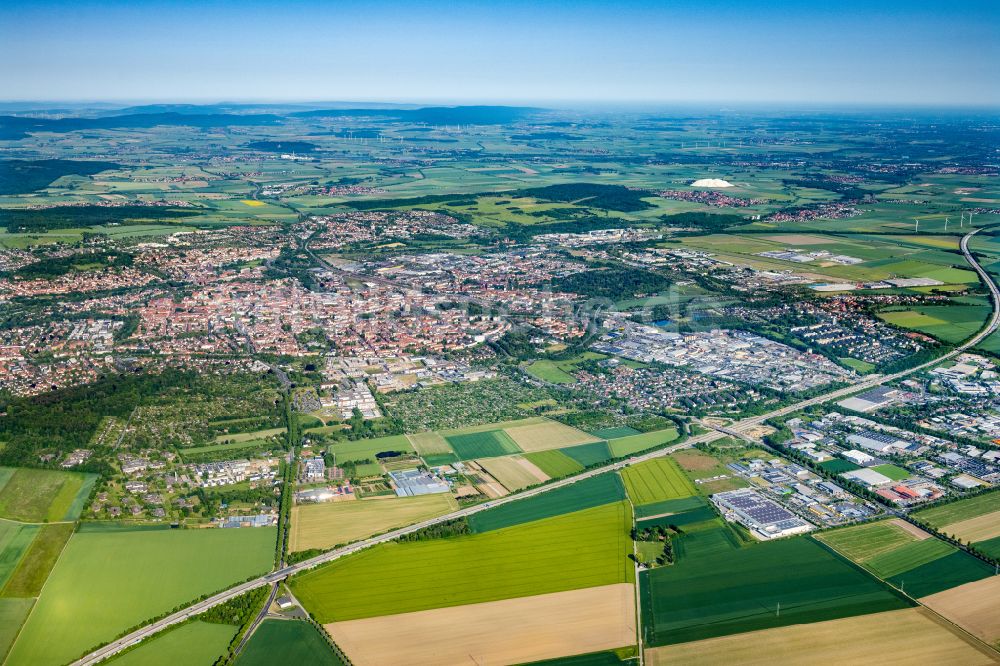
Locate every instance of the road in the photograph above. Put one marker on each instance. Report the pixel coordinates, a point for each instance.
(736, 428)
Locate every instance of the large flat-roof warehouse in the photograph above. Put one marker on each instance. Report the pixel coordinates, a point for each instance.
(765, 518)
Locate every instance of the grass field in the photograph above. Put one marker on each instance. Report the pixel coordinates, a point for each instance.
(366, 449)
(15, 541)
(655, 481)
(907, 557)
(248, 436)
(235, 446)
(513, 472)
(909, 637)
(548, 435)
(117, 579)
(975, 607)
(38, 495)
(595, 491)
(942, 573)
(364, 470)
(626, 446)
(554, 463)
(670, 507)
(13, 612)
(486, 444)
(839, 466)
(589, 454)
(328, 524)
(863, 542)
(615, 433)
(863, 367)
(724, 590)
(583, 549)
(287, 642)
(949, 323)
(195, 643)
(548, 371)
(892, 471)
(510, 631)
(953, 512)
(429, 443)
(28, 578)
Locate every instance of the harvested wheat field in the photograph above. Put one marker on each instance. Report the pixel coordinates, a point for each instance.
(902, 637)
(974, 606)
(511, 631)
(979, 528)
(333, 523)
(514, 472)
(548, 435)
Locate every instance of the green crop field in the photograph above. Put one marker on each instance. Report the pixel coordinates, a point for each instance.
(589, 454)
(555, 463)
(863, 542)
(30, 575)
(595, 491)
(15, 541)
(13, 612)
(655, 481)
(908, 556)
(287, 642)
(488, 444)
(367, 469)
(615, 433)
(583, 549)
(949, 323)
(953, 512)
(38, 495)
(670, 507)
(941, 574)
(991, 547)
(118, 578)
(367, 449)
(191, 644)
(626, 446)
(892, 471)
(725, 591)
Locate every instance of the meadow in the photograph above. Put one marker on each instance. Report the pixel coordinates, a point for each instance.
(949, 323)
(485, 444)
(38, 495)
(366, 449)
(29, 576)
(722, 590)
(15, 541)
(656, 480)
(329, 524)
(626, 446)
(584, 549)
(118, 579)
(287, 642)
(863, 542)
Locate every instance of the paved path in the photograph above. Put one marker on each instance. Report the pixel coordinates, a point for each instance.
(870, 381)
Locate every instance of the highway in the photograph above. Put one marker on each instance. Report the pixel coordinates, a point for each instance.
(736, 428)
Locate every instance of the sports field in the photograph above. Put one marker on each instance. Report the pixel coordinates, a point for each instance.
(863, 542)
(511, 631)
(117, 579)
(626, 446)
(328, 524)
(554, 463)
(429, 443)
(722, 590)
(894, 472)
(367, 449)
(39, 495)
(595, 491)
(548, 435)
(287, 642)
(584, 549)
(954, 512)
(514, 472)
(908, 637)
(195, 643)
(655, 481)
(974, 606)
(482, 444)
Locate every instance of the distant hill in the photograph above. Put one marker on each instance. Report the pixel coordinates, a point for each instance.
(436, 115)
(17, 127)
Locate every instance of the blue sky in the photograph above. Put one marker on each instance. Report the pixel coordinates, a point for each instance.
(848, 52)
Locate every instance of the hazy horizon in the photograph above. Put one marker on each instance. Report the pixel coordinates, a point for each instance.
(743, 52)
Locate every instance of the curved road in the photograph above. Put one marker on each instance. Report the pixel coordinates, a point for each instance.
(870, 382)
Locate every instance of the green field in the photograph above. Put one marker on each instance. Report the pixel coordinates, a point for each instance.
(892, 471)
(953, 512)
(39, 495)
(13, 612)
(488, 444)
(656, 480)
(194, 644)
(595, 491)
(941, 574)
(366, 449)
(117, 579)
(287, 642)
(864, 367)
(906, 557)
(582, 549)
(548, 371)
(725, 590)
(615, 433)
(235, 446)
(555, 463)
(367, 469)
(839, 466)
(949, 323)
(863, 542)
(990, 546)
(589, 454)
(28, 578)
(670, 507)
(626, 446)
(15, 541)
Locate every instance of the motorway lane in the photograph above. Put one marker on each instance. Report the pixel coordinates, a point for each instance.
(870, 382)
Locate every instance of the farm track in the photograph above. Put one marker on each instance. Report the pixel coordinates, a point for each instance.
(735, 429)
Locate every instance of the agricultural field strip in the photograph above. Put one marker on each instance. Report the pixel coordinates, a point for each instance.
(871, 381)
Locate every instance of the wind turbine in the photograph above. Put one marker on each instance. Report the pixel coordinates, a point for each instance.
(916, 225)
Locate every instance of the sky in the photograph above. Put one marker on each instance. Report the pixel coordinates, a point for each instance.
(851, 52)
